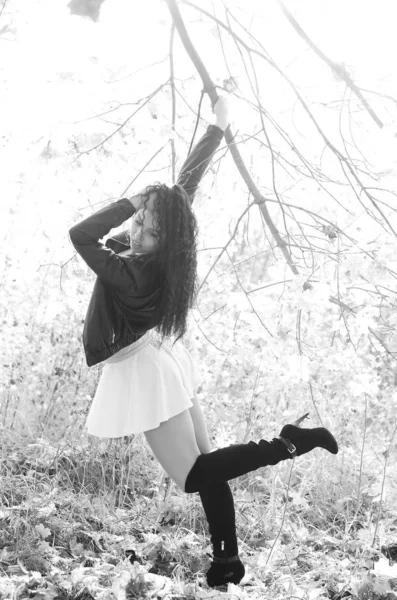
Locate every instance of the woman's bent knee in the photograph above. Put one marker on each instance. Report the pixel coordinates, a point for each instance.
(174, 445)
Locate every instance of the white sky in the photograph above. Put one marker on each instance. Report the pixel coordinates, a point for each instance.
(132, 34)
(361, 33)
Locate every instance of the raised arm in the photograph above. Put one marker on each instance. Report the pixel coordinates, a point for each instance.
(197, 162)
(193, 168)
(103, 259)
(110, 268)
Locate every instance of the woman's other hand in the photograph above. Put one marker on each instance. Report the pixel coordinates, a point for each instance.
(136, 201)
(221, 111)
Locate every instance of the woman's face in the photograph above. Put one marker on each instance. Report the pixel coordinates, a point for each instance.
(144, 235)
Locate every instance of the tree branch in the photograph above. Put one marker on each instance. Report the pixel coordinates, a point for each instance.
(3, 7)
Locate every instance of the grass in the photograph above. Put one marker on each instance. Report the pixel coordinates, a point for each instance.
(73, 518)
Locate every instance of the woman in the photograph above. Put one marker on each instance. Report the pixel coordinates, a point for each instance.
(146, 283)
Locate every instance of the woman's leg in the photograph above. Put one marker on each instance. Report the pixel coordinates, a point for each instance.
(200, 427)
(178, 442)
(218, 505)
(174, 445)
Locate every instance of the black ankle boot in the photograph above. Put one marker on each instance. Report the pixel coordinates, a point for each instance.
(218, 504)
(299, 440)
(225, 570)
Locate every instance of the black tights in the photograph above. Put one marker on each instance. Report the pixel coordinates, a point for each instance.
(218, 504)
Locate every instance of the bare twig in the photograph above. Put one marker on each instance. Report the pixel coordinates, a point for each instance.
(248, 298)
(339, 70)
(391, 354)
(197, 121)
(340, 304)
(172, 84)
(362, 450)
(225, 246)
(208, 340)
(143, 168)
(386, 455)
(214, 311)
(3, 7)
(385, 362)
(298, 330)
(314, 404)
(263, 287)
(391, 98)
(156, 91)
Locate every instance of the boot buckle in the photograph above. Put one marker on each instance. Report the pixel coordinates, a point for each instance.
(290, 446)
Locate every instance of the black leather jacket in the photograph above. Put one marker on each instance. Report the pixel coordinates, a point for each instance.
(123, 301)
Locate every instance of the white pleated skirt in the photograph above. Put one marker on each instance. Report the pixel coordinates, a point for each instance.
(141, 386)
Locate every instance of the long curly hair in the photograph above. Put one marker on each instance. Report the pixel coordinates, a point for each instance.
(175, 256)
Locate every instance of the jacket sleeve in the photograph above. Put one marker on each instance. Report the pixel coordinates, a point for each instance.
(198, 160)
(110, 268)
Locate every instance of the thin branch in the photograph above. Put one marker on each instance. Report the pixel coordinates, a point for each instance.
(339, 70)
(391, 98)
(172, 85)
(158, 62)
(391, 354)
(340, 304)
(298, 330)
(3, 7)
(197, 121)
(225, 246)
(314, 404)
(256, 93)
(214, 311)
(383, 359)
(269, 285)
(248, 298)
(124, 123)
(143, 168)
(386, 455)
(208, 340)
(362, 453)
